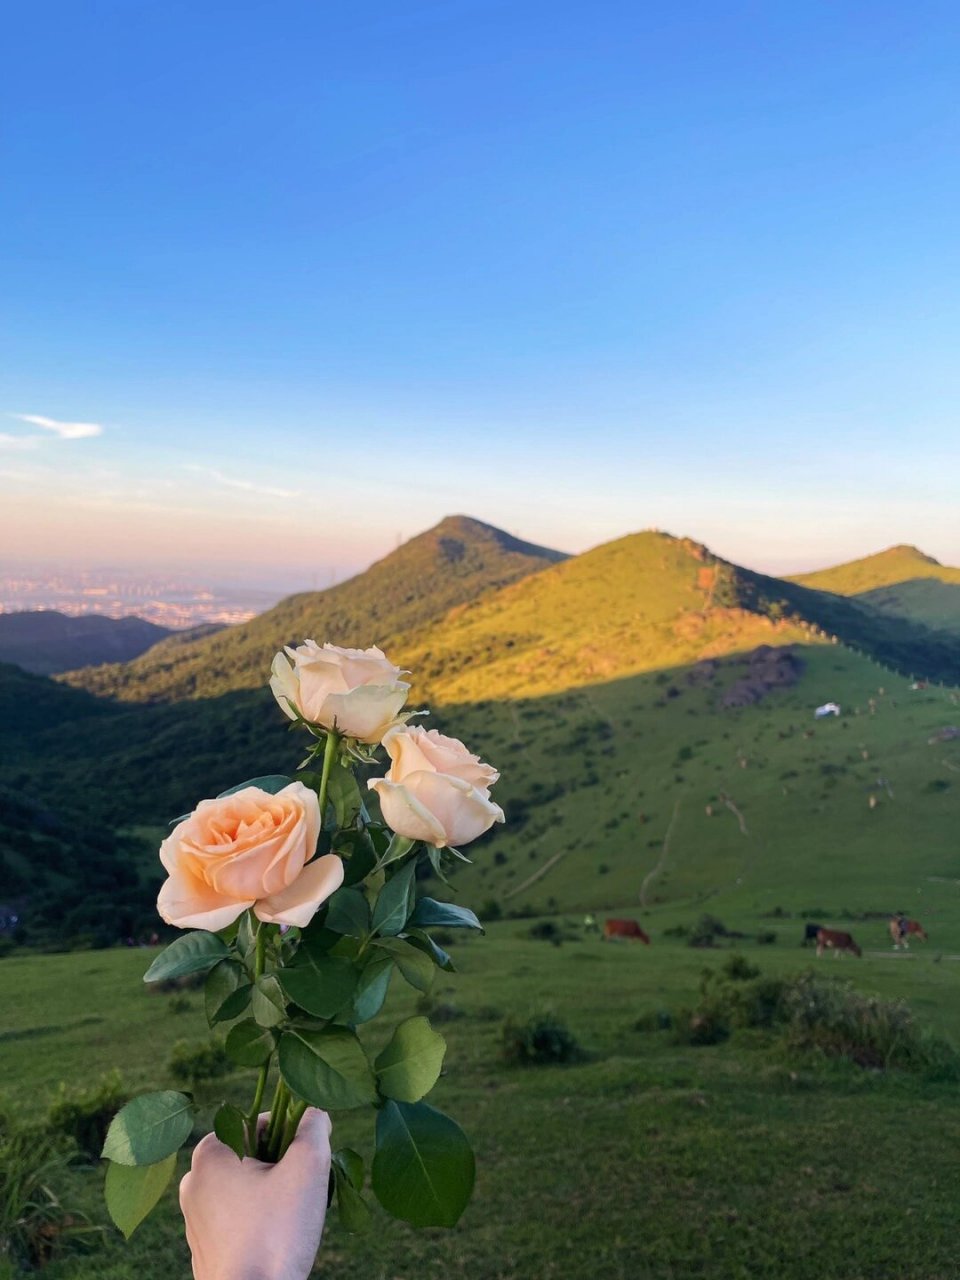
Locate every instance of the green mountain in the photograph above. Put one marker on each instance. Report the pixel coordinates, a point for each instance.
(44, 641)
(449, 565)
(901, 582)
(650, 707)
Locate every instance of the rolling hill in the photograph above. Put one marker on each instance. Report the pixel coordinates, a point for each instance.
(649, 705)
(902, 582)
(448, 565)
(45, 642)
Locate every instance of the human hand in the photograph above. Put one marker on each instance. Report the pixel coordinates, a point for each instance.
(247, 1220)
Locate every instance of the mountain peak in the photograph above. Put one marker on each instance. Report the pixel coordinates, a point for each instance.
(469, 531)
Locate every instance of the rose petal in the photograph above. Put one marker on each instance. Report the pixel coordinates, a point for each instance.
(298, 902)
(366, 712)
(188, 903)
(463, 811)
(404, 814)
(283, 683)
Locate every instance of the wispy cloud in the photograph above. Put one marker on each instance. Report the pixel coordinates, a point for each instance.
(18, 442)
(64, 430)
(248, 486)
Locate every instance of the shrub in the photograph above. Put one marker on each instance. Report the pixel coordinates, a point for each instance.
(539, 1041)
(701, 1026)
(706, 931)
(83, 1113)
(766, 937)
(192, 1061)
(546, 931)
(738, 968)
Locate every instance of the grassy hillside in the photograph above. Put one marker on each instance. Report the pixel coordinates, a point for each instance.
(653, 1159)
(651, 710)
(456, 561)
(44, 641)
(900, 582)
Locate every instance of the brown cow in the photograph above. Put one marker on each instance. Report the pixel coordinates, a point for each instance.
(833, 939)
(624, 929)
(901, 931)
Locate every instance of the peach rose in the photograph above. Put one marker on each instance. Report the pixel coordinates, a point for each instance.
(358, 692)
(249, 849)
(435, 790)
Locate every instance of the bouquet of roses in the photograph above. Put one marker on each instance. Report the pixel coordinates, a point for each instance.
(301, 906)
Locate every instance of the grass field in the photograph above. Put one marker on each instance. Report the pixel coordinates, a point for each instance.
(649, 1159)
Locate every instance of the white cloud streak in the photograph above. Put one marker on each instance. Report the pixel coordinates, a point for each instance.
(248, 486)
(18, 442)
(63, 430)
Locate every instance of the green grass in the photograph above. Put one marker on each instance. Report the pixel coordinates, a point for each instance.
(648, 1160)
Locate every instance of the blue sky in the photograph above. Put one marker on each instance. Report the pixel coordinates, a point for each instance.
(322, 274)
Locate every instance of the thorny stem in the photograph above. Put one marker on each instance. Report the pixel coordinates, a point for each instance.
(329, 753)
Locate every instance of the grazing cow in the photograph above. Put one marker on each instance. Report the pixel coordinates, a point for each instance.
(810, 932)
(624, 929)
(835, 940)
(901, 930)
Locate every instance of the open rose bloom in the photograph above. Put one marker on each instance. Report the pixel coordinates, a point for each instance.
(435, 789)
(249, 849)
(358, 692)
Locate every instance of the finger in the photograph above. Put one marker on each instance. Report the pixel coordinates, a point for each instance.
(309, 1153)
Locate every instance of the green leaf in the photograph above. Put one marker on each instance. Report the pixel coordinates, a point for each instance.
(409, 1066)
(327, 1068)
(268, 1006)
(430, 914)
(395, 903)
(229, 1126)
(398, 847)
(227, 992)
(353, 1209)
(247, 937)
(319, 983)
(132, 1191)
(435, 856)
(359, 855)
(149, 1128)
(372, 988)
(249, 1045)
(423, 942)
(350, 1164)
(270, 782)
(190, 953)
(348, 913)
(423, 1169)
(344, 794)
(414, 965)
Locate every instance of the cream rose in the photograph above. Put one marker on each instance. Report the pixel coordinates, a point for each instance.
(356, 691)
(249, 849)
(435, 789)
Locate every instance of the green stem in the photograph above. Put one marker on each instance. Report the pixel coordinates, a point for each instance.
(254, 1112)
(294, 1116)
(329, 754)
(278, 1118)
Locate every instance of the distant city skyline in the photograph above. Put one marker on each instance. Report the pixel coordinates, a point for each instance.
(280, 287)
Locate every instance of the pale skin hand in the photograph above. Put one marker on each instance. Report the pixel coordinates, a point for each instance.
(252, 1221)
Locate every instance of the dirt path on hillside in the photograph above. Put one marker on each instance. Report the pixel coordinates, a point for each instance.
(664, 854)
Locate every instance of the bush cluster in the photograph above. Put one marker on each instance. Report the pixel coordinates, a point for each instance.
(814, 1015)
(540, 1040)
(83, 1112)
